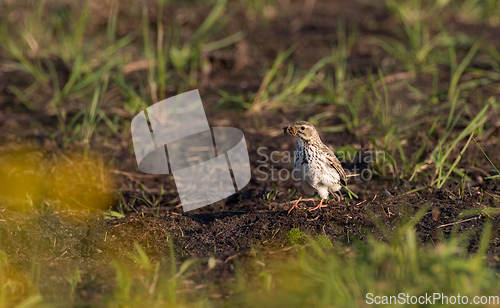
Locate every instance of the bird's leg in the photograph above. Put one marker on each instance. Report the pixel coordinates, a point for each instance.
(339, 198)
(295, 205)
(320, 205)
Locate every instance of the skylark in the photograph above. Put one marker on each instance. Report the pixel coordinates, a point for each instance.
(314, 164)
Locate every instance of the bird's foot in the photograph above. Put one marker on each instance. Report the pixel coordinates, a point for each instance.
(320, 205)
(294, 206)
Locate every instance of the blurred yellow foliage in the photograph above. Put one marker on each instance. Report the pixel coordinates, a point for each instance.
(81, 184)
(20, 174)
(30, 177)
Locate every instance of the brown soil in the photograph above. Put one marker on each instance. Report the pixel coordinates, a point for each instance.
(249, 219)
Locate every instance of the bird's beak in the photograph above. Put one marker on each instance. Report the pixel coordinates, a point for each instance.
(290, 130)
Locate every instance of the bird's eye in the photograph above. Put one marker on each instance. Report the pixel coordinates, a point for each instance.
(303, 127)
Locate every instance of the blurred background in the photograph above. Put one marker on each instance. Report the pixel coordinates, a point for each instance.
(404, 78)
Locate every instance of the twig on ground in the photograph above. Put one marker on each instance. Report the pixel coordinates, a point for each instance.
(458, 222)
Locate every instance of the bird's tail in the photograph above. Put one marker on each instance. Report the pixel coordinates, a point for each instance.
(350, 175)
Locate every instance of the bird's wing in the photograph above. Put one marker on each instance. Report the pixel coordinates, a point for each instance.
(334, 162)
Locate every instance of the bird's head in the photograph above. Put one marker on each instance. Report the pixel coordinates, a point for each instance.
(303, 130)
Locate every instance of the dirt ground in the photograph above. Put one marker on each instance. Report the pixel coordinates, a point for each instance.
(256, 217)
(238, 226)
